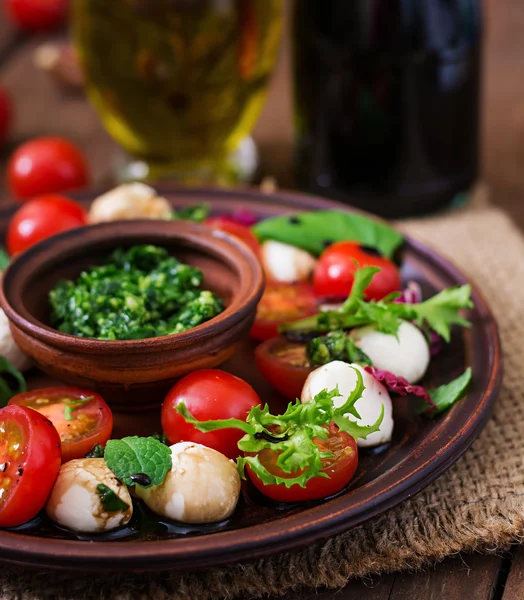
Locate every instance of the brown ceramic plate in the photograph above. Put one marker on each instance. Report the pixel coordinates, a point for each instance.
(420, 451)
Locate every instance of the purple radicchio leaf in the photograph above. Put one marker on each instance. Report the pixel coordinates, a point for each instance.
(243, 217)
(400, 386)
(412, 294)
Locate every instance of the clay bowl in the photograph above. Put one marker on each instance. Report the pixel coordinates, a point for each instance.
(131, 375)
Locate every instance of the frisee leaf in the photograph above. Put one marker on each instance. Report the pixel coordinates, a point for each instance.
(132, 455)
(446, 395)
(291, 435)
(12, 382)
(438, 313)
(110, 500)
(311, 231)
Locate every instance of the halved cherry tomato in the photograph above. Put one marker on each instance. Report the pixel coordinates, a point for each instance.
(29, 463)
(237, 229)
(41, 218)
(340, 467)
(334, 273)
(284, 364)
(46, 166)
(282, 303)
(208, 394)
(81, 417)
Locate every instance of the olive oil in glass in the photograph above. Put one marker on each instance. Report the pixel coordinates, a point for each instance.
(179, 83)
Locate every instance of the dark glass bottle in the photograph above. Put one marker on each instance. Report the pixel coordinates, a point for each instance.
(387, 101)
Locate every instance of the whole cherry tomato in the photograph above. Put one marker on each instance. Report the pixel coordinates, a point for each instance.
(81, 417)
(339, 467)
(37, 15)
(334, 273)
(208, 394)
(30, 458)
(282, 303)
(41, 218)
(284, 364)
(236, 229)
(6, 114)
(46, 165)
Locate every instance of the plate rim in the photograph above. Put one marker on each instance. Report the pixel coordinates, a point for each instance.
(292, 531)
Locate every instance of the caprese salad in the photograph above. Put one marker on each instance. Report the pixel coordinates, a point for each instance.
(337, 336)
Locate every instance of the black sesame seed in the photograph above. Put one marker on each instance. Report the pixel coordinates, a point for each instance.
(327, 243)
(141, 479)
(293, 220)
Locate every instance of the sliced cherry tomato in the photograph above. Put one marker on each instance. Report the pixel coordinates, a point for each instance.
(29, 462)
(37, 15)
(282, 303)
(284, 364)
(5, 115)
(340, 468)
(237, 229)
(81, 417)
(46, 166)
(334, 273)
(41, 218)
(208, 394)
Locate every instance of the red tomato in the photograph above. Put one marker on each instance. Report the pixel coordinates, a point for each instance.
(282, 303)
(333, 277)
(41, 218)
(340, 467)
(5, 115)
(284, 364)
(37, 15)
(46, 166)
(81, 417)
(208, 394)
(29, 463)
(237, 229)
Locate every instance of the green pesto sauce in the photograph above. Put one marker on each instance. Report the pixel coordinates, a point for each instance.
(137, 293)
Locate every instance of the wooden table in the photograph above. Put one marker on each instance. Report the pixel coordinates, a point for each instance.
(43, 108)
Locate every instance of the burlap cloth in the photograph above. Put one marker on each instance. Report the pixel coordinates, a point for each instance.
(478, 504)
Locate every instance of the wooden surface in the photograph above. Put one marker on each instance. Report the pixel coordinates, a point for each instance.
(42, 108)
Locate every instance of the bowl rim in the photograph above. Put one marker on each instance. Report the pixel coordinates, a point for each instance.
(230, 250)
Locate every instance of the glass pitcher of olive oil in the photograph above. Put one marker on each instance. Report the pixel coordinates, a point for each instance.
(178, 83)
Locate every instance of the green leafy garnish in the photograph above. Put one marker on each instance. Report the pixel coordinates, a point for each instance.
(162, 438)
(72, 405)
(12, 382)
(446, 395)
(291, 435)
(336, 345)
(313, 231)
(97, 451)
(196, 213)
(135, 455)
(110, 501)
(438, 313)
(4, 259)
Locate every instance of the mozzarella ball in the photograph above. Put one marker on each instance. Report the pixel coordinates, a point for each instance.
(9, 348)
(405, 355)
(203, 486)
(129, 201)
(286, 263)
(369, 406)
(75, 502)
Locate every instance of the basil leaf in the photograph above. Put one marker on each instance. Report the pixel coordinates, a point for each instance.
(131, 456)
(12, 382)
(313, 231)
(110, 500)
(446, 395)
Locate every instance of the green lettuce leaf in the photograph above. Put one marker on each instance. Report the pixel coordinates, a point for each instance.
(446, 395)
(291, 434)
(313, 231)
(12, 382)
